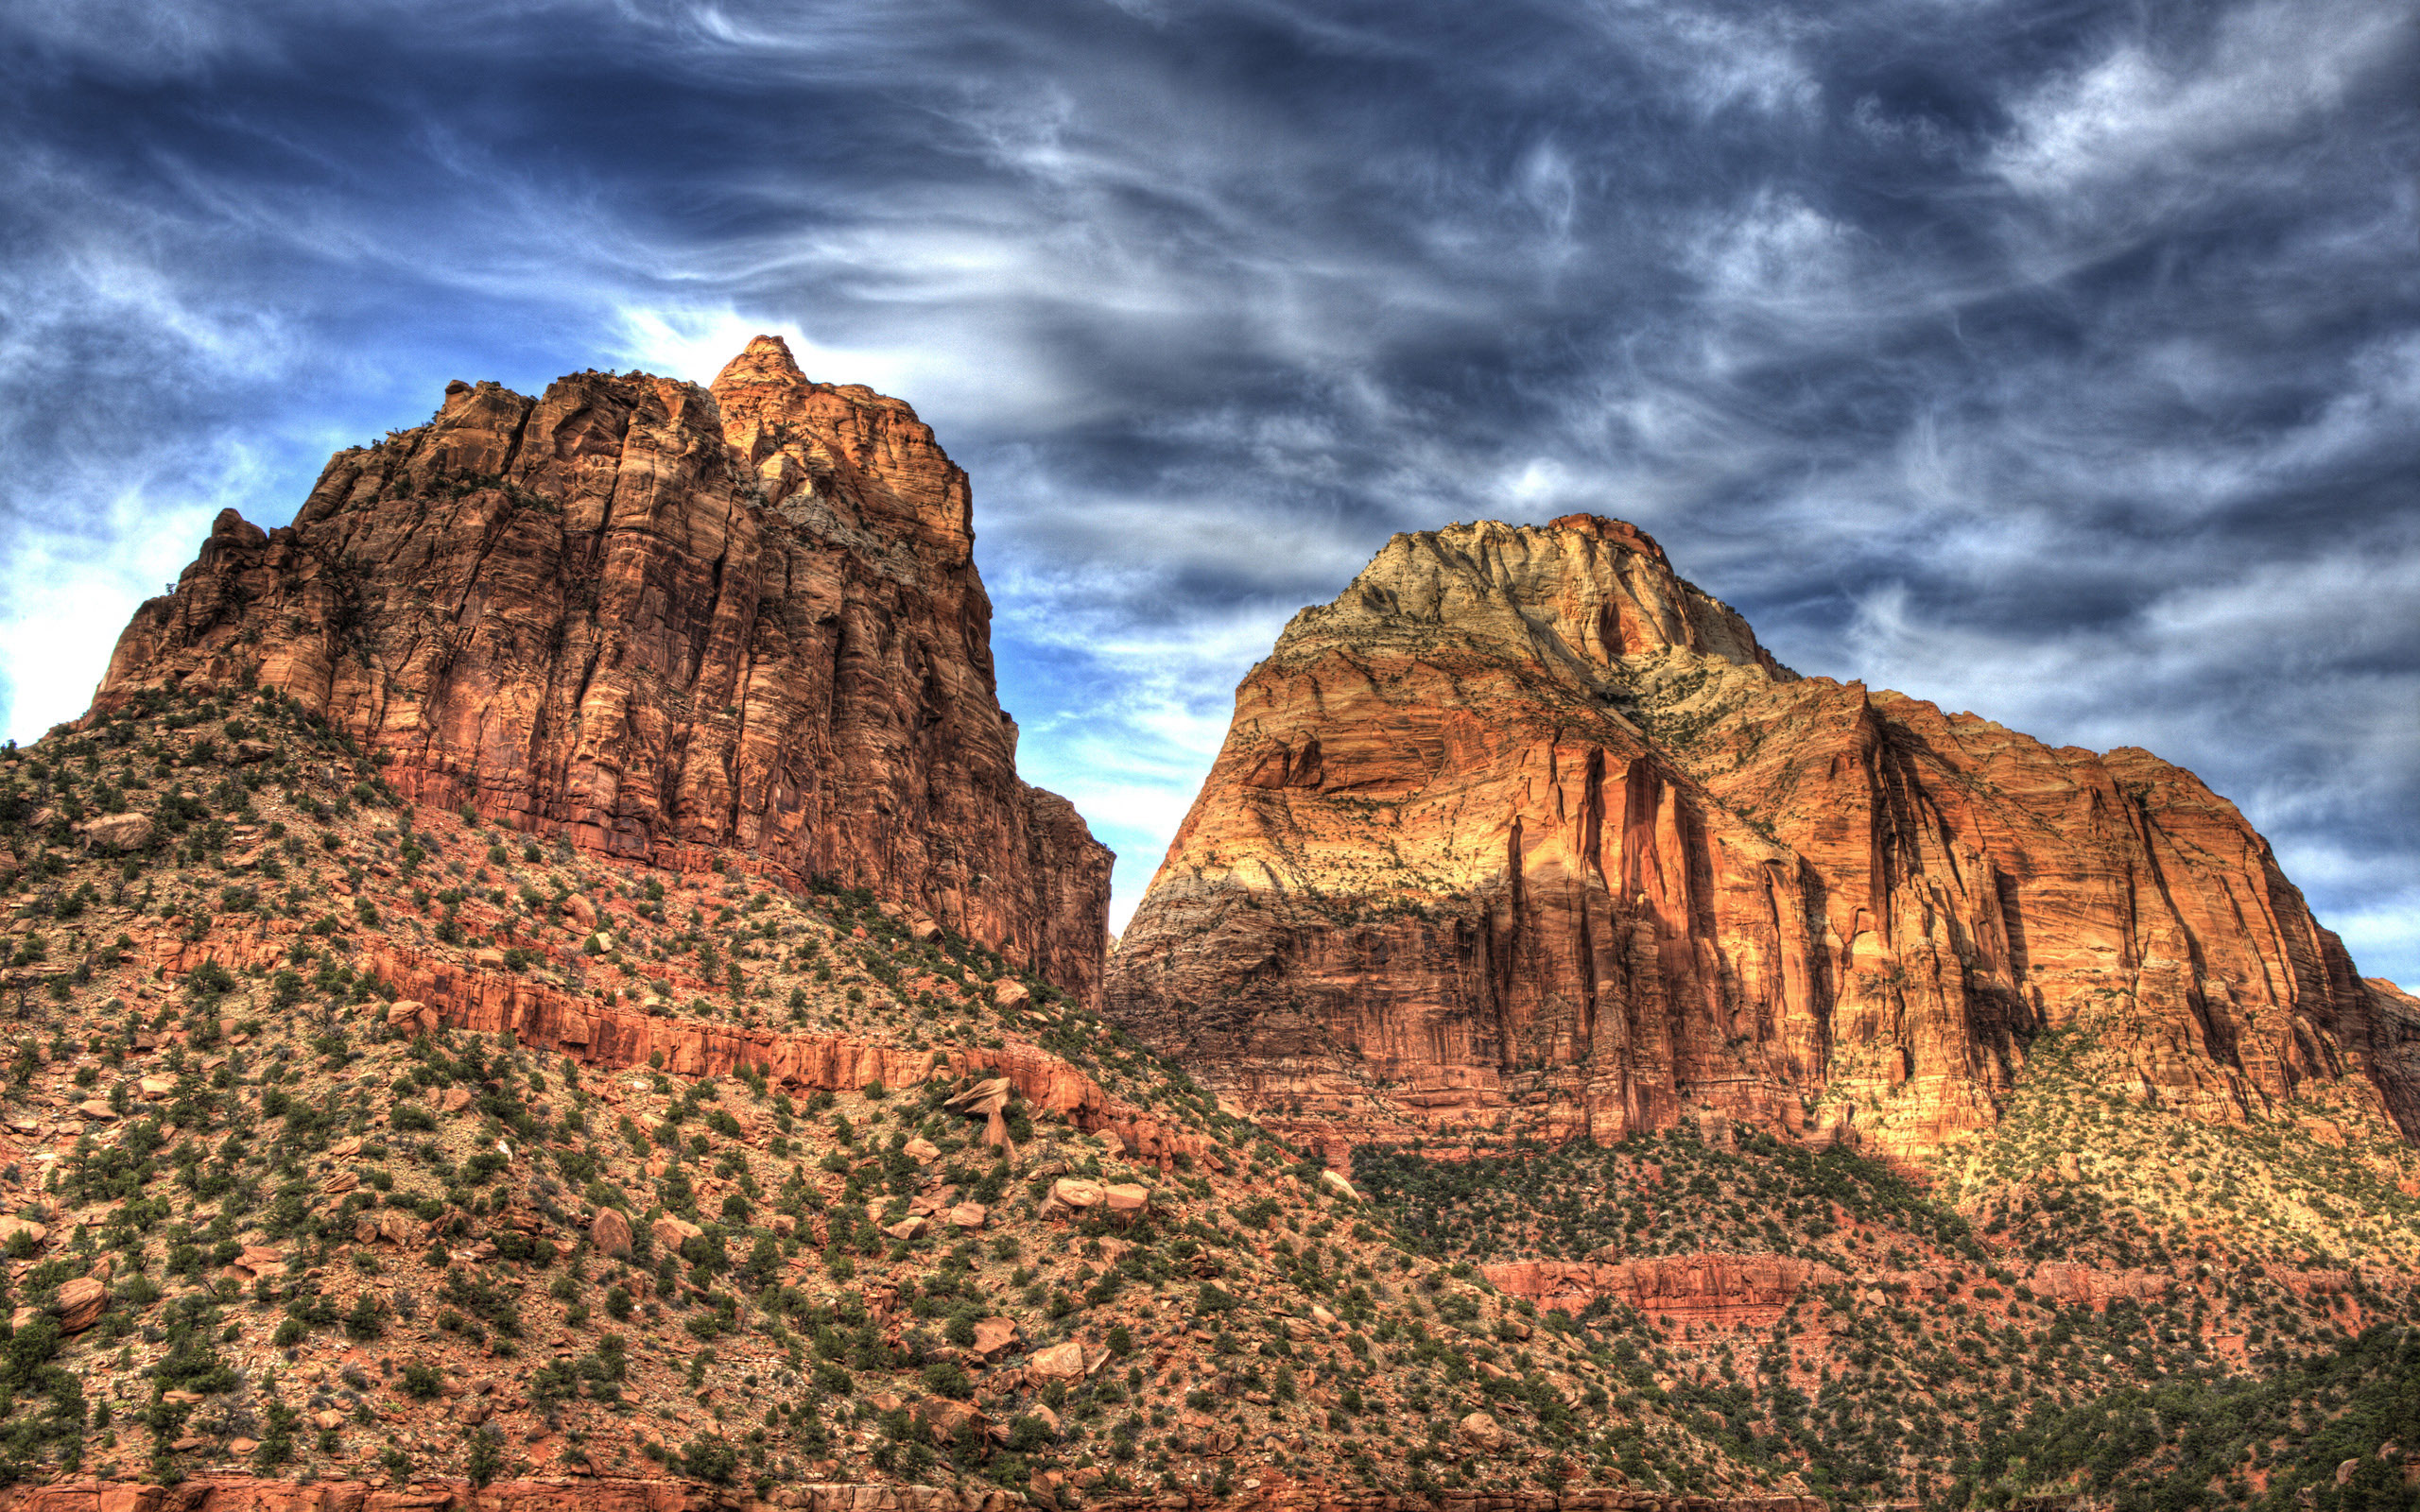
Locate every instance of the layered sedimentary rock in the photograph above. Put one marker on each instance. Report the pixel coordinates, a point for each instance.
(667, 623)
(1523, 827)
(1720, 1291)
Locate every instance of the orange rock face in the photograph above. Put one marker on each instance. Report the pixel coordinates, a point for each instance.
(662, 622)
(1523, 826)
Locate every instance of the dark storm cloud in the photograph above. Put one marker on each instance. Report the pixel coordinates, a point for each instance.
(2059, 361)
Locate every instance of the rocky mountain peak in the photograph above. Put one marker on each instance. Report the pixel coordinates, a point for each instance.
(1574, 597)
(666, 623)
(1524, 829)
(765, 359)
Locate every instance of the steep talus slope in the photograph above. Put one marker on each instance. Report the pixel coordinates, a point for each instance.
(663, 622)
(1524, 827)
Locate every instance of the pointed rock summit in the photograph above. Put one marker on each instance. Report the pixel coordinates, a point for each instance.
(667, 623)
(1524, 829)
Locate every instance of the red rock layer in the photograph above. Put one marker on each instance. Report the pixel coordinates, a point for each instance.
(663, 622)
(1524, 826)
(1722, 1291)
(456, 995)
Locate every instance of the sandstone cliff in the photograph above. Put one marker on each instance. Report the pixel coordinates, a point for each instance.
(662, 622)
(1525, 827)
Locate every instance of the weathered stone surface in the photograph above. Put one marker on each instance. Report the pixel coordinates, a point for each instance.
(1074, 1192)
(119, 831)
(1524, 823)
(671, 1232)
(79, 1304)
(385, 1226)
(994, 1336)
(1482, 1433)
(609, 1232)
(663, 622)
(1060, 1361)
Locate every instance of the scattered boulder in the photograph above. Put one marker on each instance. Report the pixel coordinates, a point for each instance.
(609, 1232)
(968, 1215)
(1482, 1433)
(1334, 1183)
(12, 1227)
(949, 1422)
(672, 1232)
(908, 1228)
(119, 831)
(384, 1226)
(1076, 1193)
(920, 1150)
(1060, 1361)
(79, 1304)
(1007, 995)
(994, 1336)
(1126, 1201)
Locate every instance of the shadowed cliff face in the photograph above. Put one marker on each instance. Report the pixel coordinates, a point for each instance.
(1525, 825)
(662, 620)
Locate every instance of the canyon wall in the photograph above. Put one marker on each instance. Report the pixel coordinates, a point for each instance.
(1523, 828)
(661, 622)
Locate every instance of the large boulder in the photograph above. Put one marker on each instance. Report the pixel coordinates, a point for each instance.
(1482, 1433)
(1075, 1193)
(117, 832)
(1060, 1361)
(79, 1304)
(608, 1233)
(671, 1233)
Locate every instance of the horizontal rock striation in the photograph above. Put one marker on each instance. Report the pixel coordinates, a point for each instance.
(1525, 827)
(663, 622)
(1718, 1291)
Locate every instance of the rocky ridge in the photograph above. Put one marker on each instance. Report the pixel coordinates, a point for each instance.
(664, 623)
(1524, 831)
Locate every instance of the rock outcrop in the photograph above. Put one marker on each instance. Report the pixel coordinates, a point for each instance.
(662, 623)
(1523, 827)
(1719, 1291)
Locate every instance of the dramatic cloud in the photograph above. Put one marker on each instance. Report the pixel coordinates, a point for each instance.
(2057, 361)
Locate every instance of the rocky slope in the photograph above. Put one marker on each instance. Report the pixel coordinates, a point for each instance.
(1524, 829)
(359, 1154)
(662, 622)
(1823, 1313)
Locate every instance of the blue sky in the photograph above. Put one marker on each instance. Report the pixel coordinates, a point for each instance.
(2056, 361)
